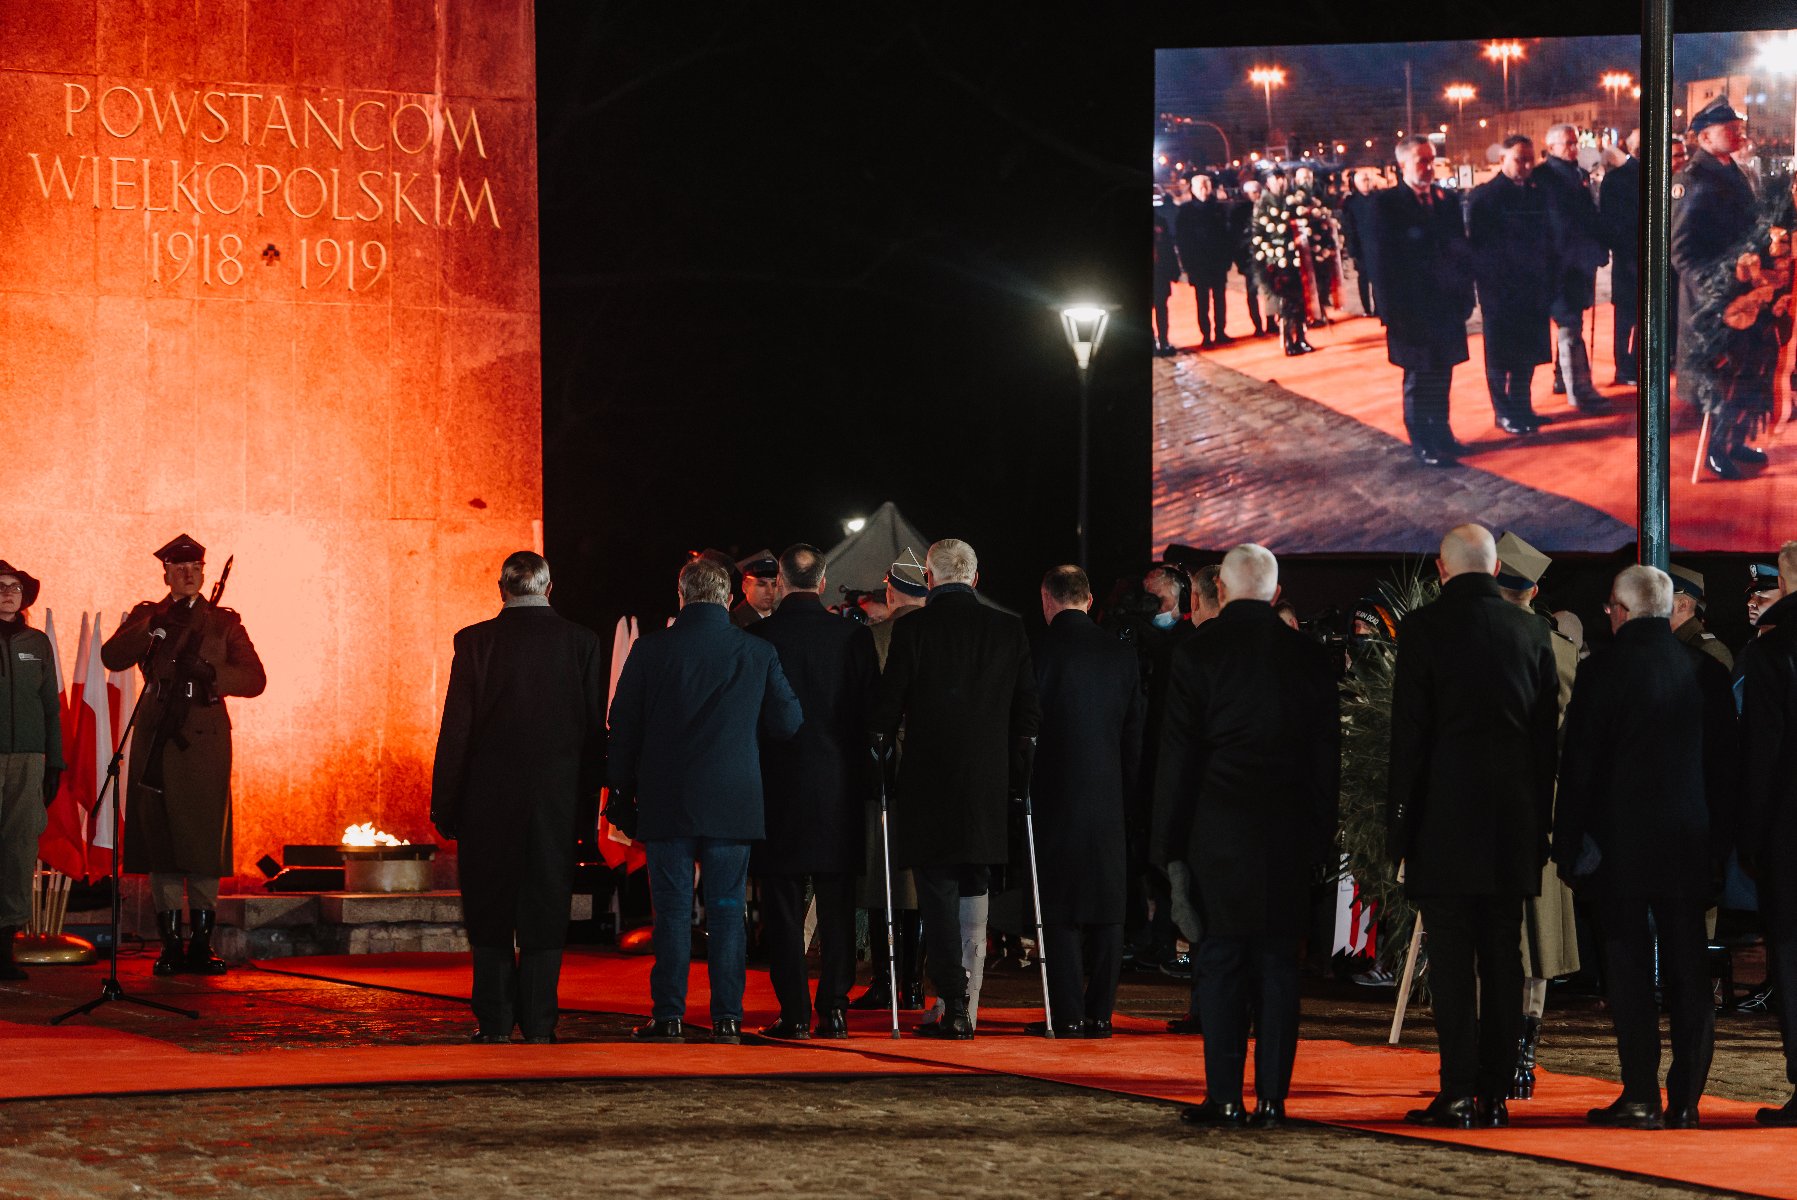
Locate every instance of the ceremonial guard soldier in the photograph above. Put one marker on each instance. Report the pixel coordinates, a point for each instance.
(178, 828)
(760, 574)
(1687, 621)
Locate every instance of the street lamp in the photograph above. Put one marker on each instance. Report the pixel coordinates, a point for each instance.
(1504, 53)
(1084, 325)
(1266, 79)
(1460, 93)
(1616, 82)
(1779, 56)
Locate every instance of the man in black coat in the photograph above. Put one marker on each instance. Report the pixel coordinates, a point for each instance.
(1247, 794)
(1422, 272)
(1768, 833)
(691, 706)
(1619, 210)
(1475, 708)
(1508, 229)
(523, 739)
(958, 677)
(1087, 756)
(815, 787)
(1206, 248)
(1356, 216)
(1241, 222)
(1577, 239)
(1641, 825)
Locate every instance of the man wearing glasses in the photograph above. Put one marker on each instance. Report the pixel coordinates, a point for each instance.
(192, 656)
(30, 753)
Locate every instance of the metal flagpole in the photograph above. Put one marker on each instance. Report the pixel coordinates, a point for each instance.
(1653, 415)
(1029, 836)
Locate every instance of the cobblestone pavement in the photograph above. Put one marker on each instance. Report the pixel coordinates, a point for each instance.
(1240, 458)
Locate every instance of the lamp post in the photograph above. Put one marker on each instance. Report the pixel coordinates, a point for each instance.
(1266, 79)
(1084, 325)
(1503, 53)
(1615, 83)
(1460, 93)
(1779, 56)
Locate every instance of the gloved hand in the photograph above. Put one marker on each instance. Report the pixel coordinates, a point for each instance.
(445, 829)
(52, 778)
(621, 810)
(198, 669)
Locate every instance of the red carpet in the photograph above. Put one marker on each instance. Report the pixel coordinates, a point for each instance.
(1589, 459)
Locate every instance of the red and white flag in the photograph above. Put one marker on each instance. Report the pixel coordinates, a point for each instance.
(64, 843)
(97, 698)
(615, 847)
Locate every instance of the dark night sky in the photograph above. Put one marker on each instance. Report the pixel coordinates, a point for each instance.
(798, 259)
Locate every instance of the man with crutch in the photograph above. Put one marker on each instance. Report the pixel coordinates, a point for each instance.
(958, 676)
(1087, 755)
(1246, 793)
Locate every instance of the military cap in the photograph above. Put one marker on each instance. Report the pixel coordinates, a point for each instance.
(1716, 112)
(1761, 577)
(906, 576)
(1520, 565)
(182, 550)
(1373, 612)
(29, 586)
(762, 565)
(1685, 580)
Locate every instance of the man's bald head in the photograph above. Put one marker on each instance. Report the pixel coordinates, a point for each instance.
(1468, 550)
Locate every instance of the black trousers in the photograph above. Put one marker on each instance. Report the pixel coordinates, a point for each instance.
(1509, 387)
(516, 989)
(1365, 283)
(939, 892)
(1624, 282)
(1213, 298)
(1426, 406)
(1628, 943)
(1083, 964)
(1243, 978)
(783, 906)
(1475, 948)
(1253, 290)
(1778, 908)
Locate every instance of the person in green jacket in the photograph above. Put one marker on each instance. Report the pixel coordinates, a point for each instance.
(30, 752)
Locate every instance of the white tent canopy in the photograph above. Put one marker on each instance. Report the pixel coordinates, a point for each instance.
(860, 560)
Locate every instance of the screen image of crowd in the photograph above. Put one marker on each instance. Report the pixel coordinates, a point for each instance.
(1464, 291)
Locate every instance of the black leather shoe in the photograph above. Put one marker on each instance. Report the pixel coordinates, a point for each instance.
(1269, 1114)
(1223, 339)
(728, 1031)
(669, 1030)
(1594, 405)
(1293, 349)
(541, 1039)
(1627, 1114)
(1446, 1114)
(872, 998)
(1178, 967)
(953, 1027)
(1040, 1029)
(1722, 466)
(1753, 456)
(1514, 428)
(1190, 1023)
(1098, 1030)
(1429, 456)
(174, 952)
(1782, 1117)
(1685, 1116)
(787, 1031)
(490, 1039)
(200, 959)
(1494, 1114)
(1538, 420)
(1229, 1114)
(1304, 347)
(832, 1024)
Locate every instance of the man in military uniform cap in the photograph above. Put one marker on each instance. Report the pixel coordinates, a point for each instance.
(1550, 945)
(178, 829)
(1713, 211)
(1687, 623)
(761, 588)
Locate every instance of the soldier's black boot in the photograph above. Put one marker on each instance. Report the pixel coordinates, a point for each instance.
(200, 959)
(1522, 1087)
(1720, 458)
(910, 973)
(174, 955)
(9, 966)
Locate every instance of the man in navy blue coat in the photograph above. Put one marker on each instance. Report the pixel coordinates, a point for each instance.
(816, 788)
(691, 703)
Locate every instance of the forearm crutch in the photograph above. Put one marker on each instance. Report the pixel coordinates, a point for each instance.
(1029, 838)
(880, 744)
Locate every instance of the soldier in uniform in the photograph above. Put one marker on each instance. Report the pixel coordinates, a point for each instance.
(1713, 212)
(1275, 232)
(192, 656)
(761, 588)
(1687, 619)
(1508, 227)
(1550, 944)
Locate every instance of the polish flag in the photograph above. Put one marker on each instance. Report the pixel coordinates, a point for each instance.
(64, 844)
(617, 849)
(121, 698)
(97, 700)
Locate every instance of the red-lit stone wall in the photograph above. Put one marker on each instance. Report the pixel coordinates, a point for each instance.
(358, 420)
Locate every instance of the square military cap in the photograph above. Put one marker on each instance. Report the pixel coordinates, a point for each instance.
(1685, 580)
(906, 575)
(182, 550)
(1520, 565)
(762, 565)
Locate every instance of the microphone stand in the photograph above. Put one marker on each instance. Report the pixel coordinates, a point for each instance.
(109, 988)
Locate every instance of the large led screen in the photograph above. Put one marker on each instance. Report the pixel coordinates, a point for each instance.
(1297, 405)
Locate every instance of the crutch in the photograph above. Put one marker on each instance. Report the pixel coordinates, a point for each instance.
(1029, 838)
(880, 749)
(1416, 946)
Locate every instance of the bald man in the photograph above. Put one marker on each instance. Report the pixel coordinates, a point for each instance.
(1475, 705)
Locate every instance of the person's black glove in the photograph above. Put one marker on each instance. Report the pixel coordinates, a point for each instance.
(198, 669)
(444, 827)
(52, 777)
(621, 810)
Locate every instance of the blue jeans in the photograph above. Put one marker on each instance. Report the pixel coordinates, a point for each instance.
(723, 873)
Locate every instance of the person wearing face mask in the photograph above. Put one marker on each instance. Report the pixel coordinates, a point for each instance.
(178, 827)
(30, 753)
(1150, 936)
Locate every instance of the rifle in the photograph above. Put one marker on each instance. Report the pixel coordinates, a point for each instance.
(178, 693)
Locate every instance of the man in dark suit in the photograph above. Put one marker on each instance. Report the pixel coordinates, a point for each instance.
(690, 703)
(1768, 834)
(958, 677)
(1247, 795)
(1475, 707)
(1577, 240)
(1422, 273)
(1206, 248)
(523, 739)
(1507, 228)
(1241, 221)
(1356, 213)
(1087, 756)
(1644, 787)
(815, 788)
(1619, 210)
